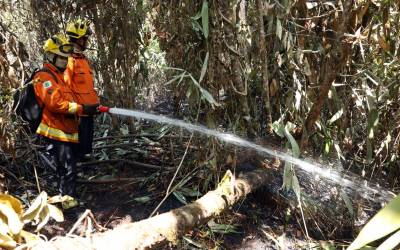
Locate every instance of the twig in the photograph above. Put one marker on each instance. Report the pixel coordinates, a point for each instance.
(96, 224)
(173, 178)
(302, 217)
(79, 221)
(115, 145)
(177, 170)
(136, 135)
(232, 49)
(225, 18)
(271, 238)
(139, 164)
(119, 145)
(36, 178)
(107, 181)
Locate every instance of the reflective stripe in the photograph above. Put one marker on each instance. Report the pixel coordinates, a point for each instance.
(56, 134)
(72, 107)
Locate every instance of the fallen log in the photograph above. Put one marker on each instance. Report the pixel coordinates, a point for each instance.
(167, 227)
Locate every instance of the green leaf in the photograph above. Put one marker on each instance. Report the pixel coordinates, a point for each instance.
(328, 144)
(347, 202)
(196, 244)
(278, 128)
(175, 78)
(386, 221)
(294, 146)
(197, 16)
(180, 197)
(221, 228)
(210, 99)
(296, 186)
(290, 126)
(143, 199)
(373, 120)
(204, 18)
(190, 192)
(287, 176)
(204, 68)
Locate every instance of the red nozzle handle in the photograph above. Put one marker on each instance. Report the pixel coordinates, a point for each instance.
(103, 109)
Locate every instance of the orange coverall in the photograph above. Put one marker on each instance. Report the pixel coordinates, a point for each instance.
(59, 125)
(59, 120)
(79, 77)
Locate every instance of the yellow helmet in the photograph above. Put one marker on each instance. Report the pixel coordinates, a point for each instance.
(78, 28)
(58, 44)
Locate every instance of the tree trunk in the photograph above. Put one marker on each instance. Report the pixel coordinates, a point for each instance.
(170, 226)
(264, 64)
(331, 67)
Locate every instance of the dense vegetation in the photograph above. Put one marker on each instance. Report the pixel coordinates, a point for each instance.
(318, 78)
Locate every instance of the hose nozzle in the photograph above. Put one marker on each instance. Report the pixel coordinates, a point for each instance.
(103, 109)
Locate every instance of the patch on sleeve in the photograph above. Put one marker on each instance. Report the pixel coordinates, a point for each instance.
(47, 84)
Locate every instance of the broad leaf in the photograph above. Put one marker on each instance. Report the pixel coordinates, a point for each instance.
(278, 128)
(59, 198)
(287, 176)
(294, 146)
(4, 229)
(34, 210)
(55, 213)
(30, 237)
(13, 221)
(391, 242)
(7, 242)
(386, 221)
(12, 202)
(44, 218)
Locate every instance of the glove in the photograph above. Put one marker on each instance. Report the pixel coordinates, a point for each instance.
(90, 109)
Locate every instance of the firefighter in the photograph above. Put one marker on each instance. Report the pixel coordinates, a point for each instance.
(79, 76)
(59, 123)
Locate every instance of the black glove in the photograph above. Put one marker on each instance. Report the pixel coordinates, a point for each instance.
(91, 109)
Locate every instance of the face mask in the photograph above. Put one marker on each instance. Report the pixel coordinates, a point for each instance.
(82, 43)
(61, 62)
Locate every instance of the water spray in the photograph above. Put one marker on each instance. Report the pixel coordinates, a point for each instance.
(315, 169)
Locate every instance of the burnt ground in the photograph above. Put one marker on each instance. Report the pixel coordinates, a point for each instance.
(258, 222)
(130, 173)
